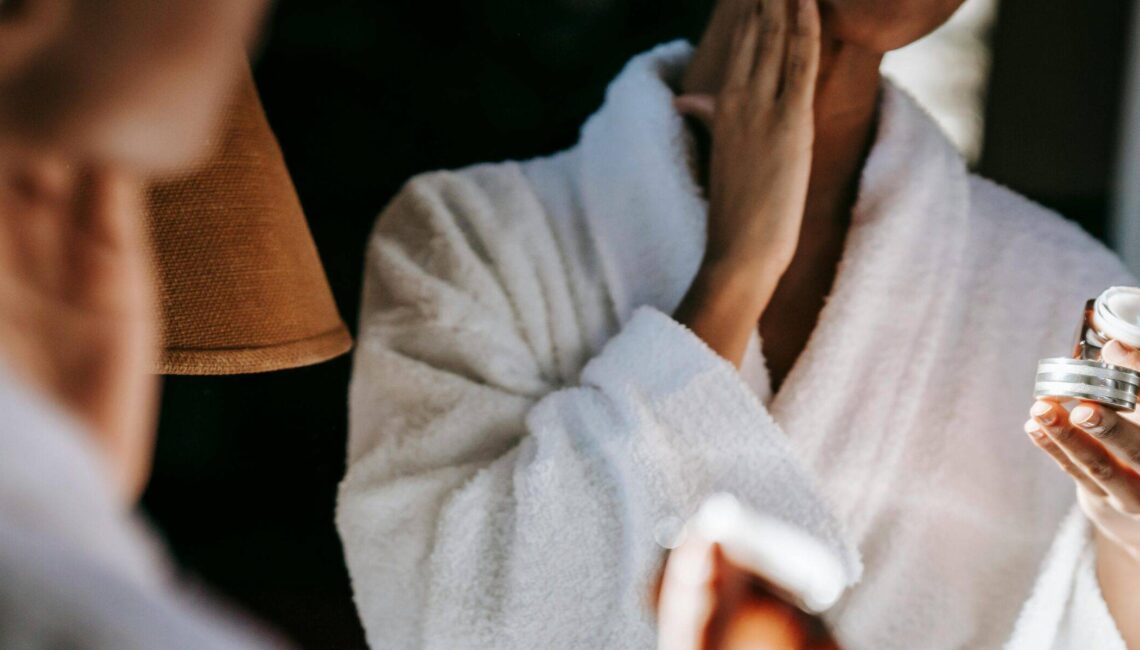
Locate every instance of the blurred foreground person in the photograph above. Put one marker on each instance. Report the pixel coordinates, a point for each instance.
(740, 581)
(802, 298)
(94, 94)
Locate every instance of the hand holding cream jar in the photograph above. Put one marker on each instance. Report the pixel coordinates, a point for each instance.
(1114, 315)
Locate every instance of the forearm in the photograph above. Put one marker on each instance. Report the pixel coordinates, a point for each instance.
(1119, 576)
(724, 304)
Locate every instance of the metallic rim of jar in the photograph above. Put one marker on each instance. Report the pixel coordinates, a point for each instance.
(1084, 379)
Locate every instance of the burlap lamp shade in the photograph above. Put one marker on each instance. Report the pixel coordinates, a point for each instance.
(241, 288)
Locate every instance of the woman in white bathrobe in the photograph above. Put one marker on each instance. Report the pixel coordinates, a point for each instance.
(559, 359)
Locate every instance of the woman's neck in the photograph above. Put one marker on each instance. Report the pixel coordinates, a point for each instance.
(846, 111)
(846, 107)
(846, 116)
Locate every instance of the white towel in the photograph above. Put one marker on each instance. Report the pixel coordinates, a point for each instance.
(527, 422)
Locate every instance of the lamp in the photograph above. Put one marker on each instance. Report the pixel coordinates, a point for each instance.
(241, 287)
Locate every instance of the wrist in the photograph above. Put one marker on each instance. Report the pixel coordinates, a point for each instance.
(1116, 553)
(746, 282)
(1117, 571)
(724, 305)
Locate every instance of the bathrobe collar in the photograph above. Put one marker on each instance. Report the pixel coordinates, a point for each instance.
(644, 205)
(649, 213)
(906, 243)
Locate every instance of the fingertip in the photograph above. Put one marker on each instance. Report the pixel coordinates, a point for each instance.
(1042, 412)
(1085, 415)
(1116, 352)
(1123, 346)
(1112, 349)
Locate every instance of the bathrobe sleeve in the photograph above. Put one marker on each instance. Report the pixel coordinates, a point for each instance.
(487, 505)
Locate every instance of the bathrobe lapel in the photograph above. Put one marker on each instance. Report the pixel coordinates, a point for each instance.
(907, 237)
(863, 388)
(643, 205)
(647, 217)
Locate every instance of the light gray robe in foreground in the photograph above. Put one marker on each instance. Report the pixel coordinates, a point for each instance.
(77, 569)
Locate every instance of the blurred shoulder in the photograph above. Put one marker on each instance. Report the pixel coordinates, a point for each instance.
(1018, 240)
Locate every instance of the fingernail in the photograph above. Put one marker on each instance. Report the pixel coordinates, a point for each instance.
(1032, 428)
(1043, 412)
(1085, 416)
(1114, 351)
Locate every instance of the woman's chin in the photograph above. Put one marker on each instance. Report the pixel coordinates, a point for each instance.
(884, 25)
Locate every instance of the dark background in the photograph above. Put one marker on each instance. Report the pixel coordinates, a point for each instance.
(364, 94)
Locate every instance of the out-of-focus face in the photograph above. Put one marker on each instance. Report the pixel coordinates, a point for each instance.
(885, 25)
(134, 82)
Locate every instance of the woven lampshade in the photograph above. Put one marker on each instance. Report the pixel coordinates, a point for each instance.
(241, 288)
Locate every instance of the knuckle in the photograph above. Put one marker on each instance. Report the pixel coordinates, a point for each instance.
(1133, 455)
(1064, 435)
(796, 65)
(805, 30)
(770, 30)
(1107, 431)
(1100, 469)
(731, 103)
(792, 117)
(808, 32)
(1072, 470)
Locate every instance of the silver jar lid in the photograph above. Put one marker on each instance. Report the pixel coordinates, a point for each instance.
(1085, 379)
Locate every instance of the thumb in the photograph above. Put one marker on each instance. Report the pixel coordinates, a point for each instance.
(1119, 354)
(701, 107)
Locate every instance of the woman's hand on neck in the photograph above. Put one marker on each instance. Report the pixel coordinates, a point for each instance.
(846, 108)
(784, 267)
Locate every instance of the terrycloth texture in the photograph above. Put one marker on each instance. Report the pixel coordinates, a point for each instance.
(1067, 609)
(76, 569)
(526, 421)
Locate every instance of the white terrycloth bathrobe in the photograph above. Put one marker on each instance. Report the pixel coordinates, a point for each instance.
(528, 422)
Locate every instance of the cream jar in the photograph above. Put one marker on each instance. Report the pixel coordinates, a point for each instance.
(1115, 314)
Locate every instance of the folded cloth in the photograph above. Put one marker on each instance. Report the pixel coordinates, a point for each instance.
(528, 425)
